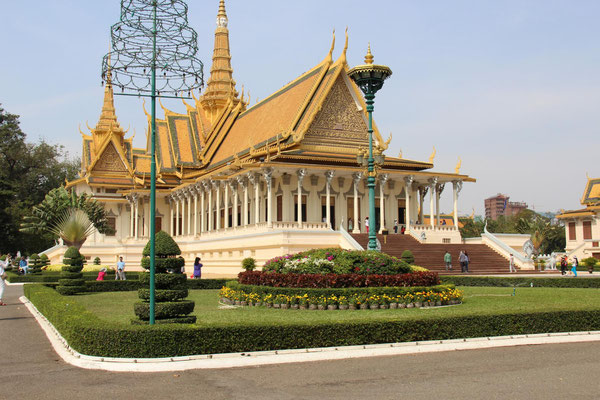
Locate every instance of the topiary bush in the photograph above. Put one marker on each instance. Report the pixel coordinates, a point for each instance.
(44, 261)
(97, 261)
(249, 264)
(35, 265)
(408, 257)
(170, 288)
(71, 281)
(337, 261)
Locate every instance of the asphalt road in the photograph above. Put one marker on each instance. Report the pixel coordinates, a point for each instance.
(29, 369)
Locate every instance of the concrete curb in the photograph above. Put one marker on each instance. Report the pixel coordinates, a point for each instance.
(233, 360)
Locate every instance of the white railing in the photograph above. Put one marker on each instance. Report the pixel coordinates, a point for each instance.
(505, 250)
(349, 238)
(440, 228)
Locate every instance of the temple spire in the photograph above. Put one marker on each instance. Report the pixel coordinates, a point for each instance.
(108, 118)
(220, 87)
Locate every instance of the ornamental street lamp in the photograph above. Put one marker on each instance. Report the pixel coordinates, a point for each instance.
(369, 78)
(153, 54)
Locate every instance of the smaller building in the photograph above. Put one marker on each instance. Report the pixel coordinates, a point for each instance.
(499, 205)
(582, 227)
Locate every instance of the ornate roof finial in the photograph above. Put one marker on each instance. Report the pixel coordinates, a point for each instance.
(369, 57)
(432, 156)
(222, 15)
(330, 55)
(343, 57)
(458, 164)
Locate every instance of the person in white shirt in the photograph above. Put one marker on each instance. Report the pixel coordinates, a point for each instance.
(3, 265)
(511, 264)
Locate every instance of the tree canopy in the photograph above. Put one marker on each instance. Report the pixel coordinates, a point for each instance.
(28, 171)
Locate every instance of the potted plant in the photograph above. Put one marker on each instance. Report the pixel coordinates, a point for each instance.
(352, 302)
(343, 303)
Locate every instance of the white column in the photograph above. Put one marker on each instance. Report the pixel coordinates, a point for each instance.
(234, 206)
(203, 208)
(328, 178)
(432, 183)
(456, 187)
(216, 185)
(171, 215)
(245, 208)
(136, 201)
(183, 216)
(210, 214)
(422, 194)
(356, 177)
(268, 174)
(177, 215)
(195, 210)
(438, 192)
(131, 216)
(382, 179)
(301, 173)
(188, 195)
(226, 205)
(253, 179)
(147, 217)
(407, 192)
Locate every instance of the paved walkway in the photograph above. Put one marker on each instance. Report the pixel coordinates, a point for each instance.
(31, 370)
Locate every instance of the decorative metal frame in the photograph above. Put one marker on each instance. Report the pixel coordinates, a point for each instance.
(153, 36)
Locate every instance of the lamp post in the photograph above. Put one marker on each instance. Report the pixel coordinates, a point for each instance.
(369, 78)
(153, 54)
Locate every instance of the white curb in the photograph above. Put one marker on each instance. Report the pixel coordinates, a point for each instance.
(232, 360)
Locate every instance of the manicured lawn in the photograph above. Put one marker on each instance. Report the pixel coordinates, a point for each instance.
(118, 307)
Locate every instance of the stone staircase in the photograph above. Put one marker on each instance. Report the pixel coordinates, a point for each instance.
(484, 260)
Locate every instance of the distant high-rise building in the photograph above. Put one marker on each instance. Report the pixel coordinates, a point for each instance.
(499, 204)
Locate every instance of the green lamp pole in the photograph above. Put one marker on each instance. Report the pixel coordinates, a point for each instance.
(369, 78)
(151, 35)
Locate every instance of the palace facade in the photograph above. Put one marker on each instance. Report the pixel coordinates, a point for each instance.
(235, 180)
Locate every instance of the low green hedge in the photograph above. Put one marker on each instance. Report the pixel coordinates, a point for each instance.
(558, 282)
(163, 295)
(134, 284)
(369, 291)
(88, 334)
(165, 309)
(54, 276)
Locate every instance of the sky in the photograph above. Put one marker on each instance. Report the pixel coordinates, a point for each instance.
(510, 87)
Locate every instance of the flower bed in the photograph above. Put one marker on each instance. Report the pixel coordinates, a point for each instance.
(337, 261)
(343, 299)
(337, 280)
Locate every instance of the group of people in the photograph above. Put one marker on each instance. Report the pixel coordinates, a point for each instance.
(120, 271)
(463, 260)
(564, 265)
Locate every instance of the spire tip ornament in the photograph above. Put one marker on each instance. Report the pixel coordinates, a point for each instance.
(369, 57)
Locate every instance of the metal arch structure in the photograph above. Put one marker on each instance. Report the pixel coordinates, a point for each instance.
(153, 54)
(153, 33)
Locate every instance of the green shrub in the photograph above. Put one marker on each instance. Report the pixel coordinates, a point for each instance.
(112, 286)
(97, 261)
(249, 264)
(337, 261)
(44, 261)
(206, 283)
(557, 282)
(88, 334)
(71, 281)
(408, 257)
(35, 264)
(167, 305)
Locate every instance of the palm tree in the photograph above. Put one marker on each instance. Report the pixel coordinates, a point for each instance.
(73, 226)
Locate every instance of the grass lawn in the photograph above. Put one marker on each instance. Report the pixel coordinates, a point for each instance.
(118, 307)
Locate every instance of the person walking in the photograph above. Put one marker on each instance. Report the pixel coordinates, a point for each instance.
(448, 260)
(461, 261)
(3, 265)
(23, 265)
(511, 264)
(367, 224)
(197, 269)
(575, 265)
(120, 270)
(467, 261)
(563, 265)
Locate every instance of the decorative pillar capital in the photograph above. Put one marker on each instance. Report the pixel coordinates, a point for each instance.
(241, 180)
(383, 179)
(457, 185)
(432, 182)
(301, 174)
(329, 176)
(252, 178)
(439, 188)
(357, 176)
(206, 185)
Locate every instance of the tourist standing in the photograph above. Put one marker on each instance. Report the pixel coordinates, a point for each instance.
(575, 265)
(448, 260)
(3, 265)
(402, 229)
(23, 265)
(197, 269)
(461, 261)
(120, 270)
(395, 226)
(350, 226)
(467, 261)
(367, 224)
(511, 264)
(563, 265)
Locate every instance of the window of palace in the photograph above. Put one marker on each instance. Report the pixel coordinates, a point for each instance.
(112, 224)
(572, 234)
(587, 230)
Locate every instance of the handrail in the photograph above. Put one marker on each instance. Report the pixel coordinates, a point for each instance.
(504, 246)
(51, 249)
(349, 237)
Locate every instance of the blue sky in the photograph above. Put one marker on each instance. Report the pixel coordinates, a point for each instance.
(512, 87)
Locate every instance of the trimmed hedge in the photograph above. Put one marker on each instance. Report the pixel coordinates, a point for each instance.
(337, 280)
(71, 281)
(206, 283)
(88, 334)
(54, 276)
(165, 309)
(165, 281)
(379, 291)
(558, 282)
(112, 286)
(163, 295)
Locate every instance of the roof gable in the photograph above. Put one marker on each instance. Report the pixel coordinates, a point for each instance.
(110, 161)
